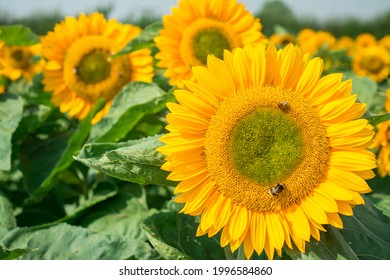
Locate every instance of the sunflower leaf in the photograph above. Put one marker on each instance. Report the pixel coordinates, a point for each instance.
(18, 35)
(40, 170)
(144, 40)
(365, 235)
(63, 242)
(135, 100)
(173, 236)
(364, 87)
(7, 218)
(134, 161)
(378, 118)
(11, 111)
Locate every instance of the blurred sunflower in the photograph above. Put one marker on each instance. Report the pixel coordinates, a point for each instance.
(365, 40)
(20, 61)
(197, 28)
(372, 62)
(80, 65)
(266, 150)
(385, 42)
(382, 141)
(281, 40)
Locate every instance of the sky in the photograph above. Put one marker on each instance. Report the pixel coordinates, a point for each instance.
(320, 9)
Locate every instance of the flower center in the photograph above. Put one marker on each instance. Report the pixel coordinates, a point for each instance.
(373, 64)
(266, 148)
(94, 67)
(207, 36)
(17, 57)
(90, 70)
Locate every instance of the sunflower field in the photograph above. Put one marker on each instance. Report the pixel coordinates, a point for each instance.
(197, 136)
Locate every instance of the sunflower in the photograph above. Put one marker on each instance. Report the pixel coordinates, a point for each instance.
(20, 61)
(372, 62)
(267, 151)
(281, 40)
(81, 67)
(197, 28)
(365, 40)
(311, 41)
(382, 141)
(385, 42)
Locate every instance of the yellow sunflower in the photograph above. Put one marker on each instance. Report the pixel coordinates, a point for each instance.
(365, 40)
(20, 61)
(385, 42)
(267, 151)
(382, 141)
(372, 62)
(281, 40)
(197, 28)
(80, 67)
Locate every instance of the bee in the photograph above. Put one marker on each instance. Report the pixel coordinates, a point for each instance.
(284, 106)
(276, 190)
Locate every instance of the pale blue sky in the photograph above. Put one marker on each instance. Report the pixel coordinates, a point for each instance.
(321, 9)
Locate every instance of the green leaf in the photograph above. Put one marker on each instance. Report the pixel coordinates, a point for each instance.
(6, 254)
(11, 110)
(66, 242)
(145, 39)
(365, 88)
(135, 100)
(18, 35)
(102, 192)
(33, 117)
(121, 215)
(365, 235)
(173, 236)
(58, 160)
(374, 120)
(134, 161)
(7, 218)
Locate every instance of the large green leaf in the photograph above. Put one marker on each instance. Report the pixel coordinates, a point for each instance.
(41, 163)
(6, 254)
(134, 161)
(173, 236)
(135, 100)
(11, 110)
(120, 215)
(102, 192)
(145, 39)
(7, 218)
(66, 242)
(365, 235)
(18, 35)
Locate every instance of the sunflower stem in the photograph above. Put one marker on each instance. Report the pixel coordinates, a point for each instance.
(228, 252)
(241, 253)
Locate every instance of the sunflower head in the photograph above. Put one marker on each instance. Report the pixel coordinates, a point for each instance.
(282, 40)
(385, 42)
(196, 29)
(266, 150)
(372, 62)
(382, 143)
(365, 40)
(19, 61)
(81, 67)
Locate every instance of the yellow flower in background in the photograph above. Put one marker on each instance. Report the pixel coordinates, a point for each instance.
(372, 62)
(365, 40)
(81, 67)
(382, 141)
(311, 41)
(281, 40)
(197, 28)
(20, 61)
(344, 43)
(385, 42)
(266, 150)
